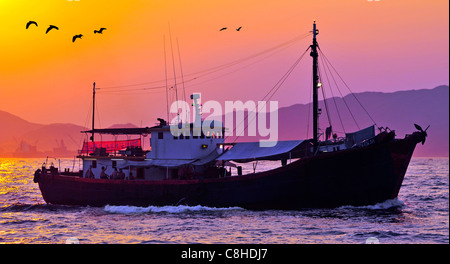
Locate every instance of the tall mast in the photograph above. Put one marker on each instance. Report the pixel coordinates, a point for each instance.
(93, 112)
(316, 84)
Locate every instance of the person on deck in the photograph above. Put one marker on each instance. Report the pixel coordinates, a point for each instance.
(121, 174)
(115, 174)
(103, 175)
(89, 174)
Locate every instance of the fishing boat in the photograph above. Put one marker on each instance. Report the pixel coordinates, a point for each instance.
(195, 168)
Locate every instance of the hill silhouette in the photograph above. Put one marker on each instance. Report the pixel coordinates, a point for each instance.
(398, 111)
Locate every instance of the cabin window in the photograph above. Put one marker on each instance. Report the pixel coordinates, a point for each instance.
(94, 164)
(114, 163)
(160, 135)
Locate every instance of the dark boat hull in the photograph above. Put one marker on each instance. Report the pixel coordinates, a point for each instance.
(359, 176)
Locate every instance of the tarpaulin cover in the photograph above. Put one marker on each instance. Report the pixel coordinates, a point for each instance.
(252, 150)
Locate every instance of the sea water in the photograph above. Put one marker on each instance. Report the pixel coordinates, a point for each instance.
(419, 215)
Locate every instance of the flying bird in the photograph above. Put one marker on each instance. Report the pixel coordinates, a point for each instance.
(76, 36)
(222, 29)
(239, 28)
(100, 31)
(31, 22)
(50, 28)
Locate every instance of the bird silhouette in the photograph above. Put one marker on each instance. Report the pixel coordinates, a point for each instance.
(100, 31)
(76, 36)
(31, 22)
(239, 28)
(222, 29)
(50, 28)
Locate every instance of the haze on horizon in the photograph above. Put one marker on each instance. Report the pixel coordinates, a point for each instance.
(382, 46)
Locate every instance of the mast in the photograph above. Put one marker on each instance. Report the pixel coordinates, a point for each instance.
(93, 112)
(316, 84)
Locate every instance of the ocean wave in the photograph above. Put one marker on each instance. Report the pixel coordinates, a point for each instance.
(24, 207)
(388, 204)
(126, 209)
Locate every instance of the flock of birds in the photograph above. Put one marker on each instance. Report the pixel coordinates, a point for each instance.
(100, 31)
(224, 28)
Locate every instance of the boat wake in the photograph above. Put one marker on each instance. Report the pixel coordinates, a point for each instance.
(125, 209)
(388, 204)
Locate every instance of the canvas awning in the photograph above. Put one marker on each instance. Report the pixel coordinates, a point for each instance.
(245, 151)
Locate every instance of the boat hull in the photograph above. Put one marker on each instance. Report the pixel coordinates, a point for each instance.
(359, 176)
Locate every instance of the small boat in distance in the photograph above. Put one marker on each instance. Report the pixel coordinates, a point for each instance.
(190, 168)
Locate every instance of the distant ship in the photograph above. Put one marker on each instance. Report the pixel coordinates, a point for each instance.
(61, 150)
(193, 168)
(26, 150)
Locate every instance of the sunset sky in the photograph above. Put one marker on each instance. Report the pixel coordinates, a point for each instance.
(385, 46)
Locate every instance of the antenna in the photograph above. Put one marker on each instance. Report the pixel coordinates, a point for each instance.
(174, 74)
(182, 77)
(93, 112)
(165, 73)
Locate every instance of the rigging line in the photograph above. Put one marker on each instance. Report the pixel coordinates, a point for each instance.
(287, 75)
(98, 115)
(284, 76)
(339, 90)
(135, 92)
(182, 79)
(332, 94)
(230, 64)
(243, 67)
(128, 85)
(131, 90)
(174, 73)
(324, 97)
(351, 92)
(165, 74)
(181, 69)
(310, 106)
(220, 67)
(279, 84)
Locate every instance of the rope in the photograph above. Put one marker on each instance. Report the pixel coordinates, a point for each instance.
(272, 91)
(333, 97)
(209, 71)
(351, 92)
(337, 86)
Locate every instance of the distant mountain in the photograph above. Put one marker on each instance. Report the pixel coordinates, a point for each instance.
(11, 125)
(398, 111)
(15, 133)
(20, 138)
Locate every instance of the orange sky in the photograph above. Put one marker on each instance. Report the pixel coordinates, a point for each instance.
(385, 45)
